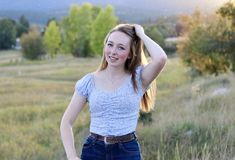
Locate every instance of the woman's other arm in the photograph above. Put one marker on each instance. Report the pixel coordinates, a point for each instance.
(74, 108)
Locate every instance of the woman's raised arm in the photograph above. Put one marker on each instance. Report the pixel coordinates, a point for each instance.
(157, 54)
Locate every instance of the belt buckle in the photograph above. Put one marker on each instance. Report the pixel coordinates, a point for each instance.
(106, 142)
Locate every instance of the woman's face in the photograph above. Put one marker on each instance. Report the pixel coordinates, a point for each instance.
(117, 48)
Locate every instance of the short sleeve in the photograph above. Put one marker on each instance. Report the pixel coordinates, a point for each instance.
(139, 70)
(84, 86)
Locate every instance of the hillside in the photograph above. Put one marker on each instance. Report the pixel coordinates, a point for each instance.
(192, 120)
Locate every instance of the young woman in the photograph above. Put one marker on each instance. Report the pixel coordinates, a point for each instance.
(115, 93)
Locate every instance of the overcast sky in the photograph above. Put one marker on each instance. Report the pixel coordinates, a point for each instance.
(57, 4)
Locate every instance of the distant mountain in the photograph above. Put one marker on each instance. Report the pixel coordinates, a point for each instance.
(39, 11)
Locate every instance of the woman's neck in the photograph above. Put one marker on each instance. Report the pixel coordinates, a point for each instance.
(115, 71)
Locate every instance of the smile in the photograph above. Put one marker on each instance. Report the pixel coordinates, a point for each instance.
(113, 58)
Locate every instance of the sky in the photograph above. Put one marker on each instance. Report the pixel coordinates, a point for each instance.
(134, 10)
(152, 4)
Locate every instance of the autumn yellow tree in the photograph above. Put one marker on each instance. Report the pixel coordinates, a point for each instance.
(206, 45)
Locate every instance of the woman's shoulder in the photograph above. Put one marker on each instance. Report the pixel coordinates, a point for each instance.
(86, 80)
(85, 84)
(97, 73)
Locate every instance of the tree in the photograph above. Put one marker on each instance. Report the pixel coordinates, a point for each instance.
(183, 24)
(32, 45)
(85, 21)
(52, 38)
(227, 12)
(51, 19)
(205, 48)
(95, 12)
(22, 26)
(105, 21)
(76, 30)
(70, 30)
(24, 21)
(155, 35)
(7, 33)
(166, 25)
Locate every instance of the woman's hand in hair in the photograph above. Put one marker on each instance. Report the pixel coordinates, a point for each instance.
(139, 30)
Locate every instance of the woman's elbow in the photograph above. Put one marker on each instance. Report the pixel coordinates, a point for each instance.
(160, 60)
(64, 124)
(163, 58)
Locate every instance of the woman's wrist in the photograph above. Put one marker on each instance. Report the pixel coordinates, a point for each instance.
(144, 37)
(75, 158)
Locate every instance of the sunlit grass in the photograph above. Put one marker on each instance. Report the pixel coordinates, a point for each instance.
(193, 123)
(173, 76)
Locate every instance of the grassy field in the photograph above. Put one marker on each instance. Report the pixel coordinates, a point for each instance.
(193, 120)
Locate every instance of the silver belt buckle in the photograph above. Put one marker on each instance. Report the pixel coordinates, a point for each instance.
(105, 140)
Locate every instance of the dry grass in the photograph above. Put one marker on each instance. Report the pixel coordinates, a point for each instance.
(191, 122)
(195, 122)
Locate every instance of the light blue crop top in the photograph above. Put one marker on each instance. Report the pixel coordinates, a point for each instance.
(112, 112)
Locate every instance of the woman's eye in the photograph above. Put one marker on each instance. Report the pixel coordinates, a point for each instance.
(121, 48)
(109, 44)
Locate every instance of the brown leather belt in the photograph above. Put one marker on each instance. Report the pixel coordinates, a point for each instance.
(114, 139)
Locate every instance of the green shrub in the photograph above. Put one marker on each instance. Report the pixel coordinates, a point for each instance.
(32, 45)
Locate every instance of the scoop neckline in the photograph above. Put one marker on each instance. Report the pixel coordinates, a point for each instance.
(124, 84)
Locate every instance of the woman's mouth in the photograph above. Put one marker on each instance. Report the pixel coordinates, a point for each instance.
(113, 58)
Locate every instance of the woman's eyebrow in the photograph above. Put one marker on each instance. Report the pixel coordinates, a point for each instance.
(110, 41)
(121, 44)
(118, 43)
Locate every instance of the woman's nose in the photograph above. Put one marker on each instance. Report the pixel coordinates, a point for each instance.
(114, 50)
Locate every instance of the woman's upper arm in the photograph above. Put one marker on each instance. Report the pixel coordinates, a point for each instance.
(74, 108)
(151, 71)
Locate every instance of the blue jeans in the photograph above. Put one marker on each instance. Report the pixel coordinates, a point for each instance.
(94, 149)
